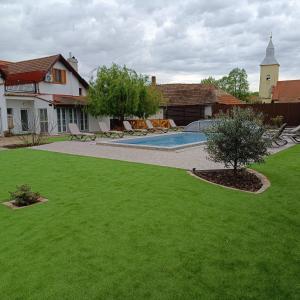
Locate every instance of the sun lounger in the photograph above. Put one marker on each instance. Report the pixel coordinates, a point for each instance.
(173, 126)
(293, 134)
(76, 134)
(130, 130)
(104, 131)
(277, 137)
(151, 128)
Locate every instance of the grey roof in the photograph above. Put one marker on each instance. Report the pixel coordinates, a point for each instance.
(270, 58)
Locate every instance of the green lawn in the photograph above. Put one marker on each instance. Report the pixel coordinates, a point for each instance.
(118, 230)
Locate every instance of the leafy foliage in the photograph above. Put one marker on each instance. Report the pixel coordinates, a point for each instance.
(236, 83)
(210, 81)
(120, 92)
(23, 196)
(236, 138)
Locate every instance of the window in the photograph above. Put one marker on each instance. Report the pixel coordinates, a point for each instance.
(24, 119)
(61, 120)
(43, 120)
(80, 91)
(59, 76)
(268, 77)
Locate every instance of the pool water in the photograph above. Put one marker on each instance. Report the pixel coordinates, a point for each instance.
(175, 140)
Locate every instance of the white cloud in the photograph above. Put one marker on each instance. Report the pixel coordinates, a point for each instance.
(181, 41)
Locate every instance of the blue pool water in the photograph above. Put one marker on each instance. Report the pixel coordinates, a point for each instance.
(167, 140)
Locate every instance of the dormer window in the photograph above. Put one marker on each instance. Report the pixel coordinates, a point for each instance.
(268, 77)
(58, 76)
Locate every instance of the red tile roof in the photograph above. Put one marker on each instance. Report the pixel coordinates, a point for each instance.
(69, 100)
(195, 94)
(34, 70)
(286, 91)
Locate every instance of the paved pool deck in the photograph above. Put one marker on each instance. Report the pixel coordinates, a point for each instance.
(188, 158)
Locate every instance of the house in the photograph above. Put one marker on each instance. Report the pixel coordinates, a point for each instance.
(188, 102)
(286, 91)
(43, 95)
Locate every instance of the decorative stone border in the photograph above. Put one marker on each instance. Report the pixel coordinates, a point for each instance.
(11, 204)
(264, 180)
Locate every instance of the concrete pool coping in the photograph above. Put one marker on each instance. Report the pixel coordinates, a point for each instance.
(114, 143)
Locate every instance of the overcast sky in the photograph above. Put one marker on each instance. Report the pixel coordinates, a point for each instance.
(178, 41)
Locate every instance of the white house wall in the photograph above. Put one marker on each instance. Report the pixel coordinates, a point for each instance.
(3, 111)
(70, 88)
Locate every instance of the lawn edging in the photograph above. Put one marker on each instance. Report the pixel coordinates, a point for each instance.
(264, 180)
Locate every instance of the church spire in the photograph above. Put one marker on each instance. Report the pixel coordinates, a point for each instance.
(270, 55)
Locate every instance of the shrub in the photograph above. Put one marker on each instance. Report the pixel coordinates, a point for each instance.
(23, 196)
(277, 121)
(236, 138)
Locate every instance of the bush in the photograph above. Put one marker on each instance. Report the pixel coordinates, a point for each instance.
(236, 138)
(23, 196)
(277, 121)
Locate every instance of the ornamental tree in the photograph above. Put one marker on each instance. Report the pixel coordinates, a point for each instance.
(121, 92)
(236, 138)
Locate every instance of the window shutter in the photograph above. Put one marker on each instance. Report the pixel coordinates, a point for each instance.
(53, 75)
(64, 76)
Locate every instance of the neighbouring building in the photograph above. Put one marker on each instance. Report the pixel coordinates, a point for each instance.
(287, 91)
(188, 102)
(270, 88)
(43, 94)
(269, 73)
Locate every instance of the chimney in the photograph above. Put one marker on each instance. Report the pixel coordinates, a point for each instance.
(73, 61)
(153, 80)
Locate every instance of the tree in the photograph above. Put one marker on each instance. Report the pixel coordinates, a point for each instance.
(236, 83)
(149, 100)
(236, 138)
(210, 81)
(120, 92)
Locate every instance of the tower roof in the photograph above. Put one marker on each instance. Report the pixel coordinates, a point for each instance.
(270, 55)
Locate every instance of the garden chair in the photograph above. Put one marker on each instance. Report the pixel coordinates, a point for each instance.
(130, 130)
(151, 128)
(293, 134)
(173, 125)
(277, 137)
(104, 131)
(76, 134)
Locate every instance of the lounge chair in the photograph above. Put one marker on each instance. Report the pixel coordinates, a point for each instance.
(130, 130)
(151, 128)
(293, 134)
(276, 136)
(104, 131)
(76, 134)
(173, 126)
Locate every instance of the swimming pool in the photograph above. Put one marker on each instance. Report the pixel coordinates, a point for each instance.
(166, 141)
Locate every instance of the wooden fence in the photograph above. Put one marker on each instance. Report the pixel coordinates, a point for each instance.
(184, 114)
(289, 111)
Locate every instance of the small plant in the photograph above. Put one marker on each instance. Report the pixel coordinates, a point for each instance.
(23, 196)
(277, 121)
(237, 138)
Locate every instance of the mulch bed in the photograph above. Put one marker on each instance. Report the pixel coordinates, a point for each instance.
(16, 146)
(243, 180)
(12, 204)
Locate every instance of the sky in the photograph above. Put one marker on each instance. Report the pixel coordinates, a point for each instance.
(177, 41)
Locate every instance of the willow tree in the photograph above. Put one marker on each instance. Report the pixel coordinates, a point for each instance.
(120, 92)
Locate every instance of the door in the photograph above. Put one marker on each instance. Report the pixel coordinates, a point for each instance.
(43, 116)
(24, 119)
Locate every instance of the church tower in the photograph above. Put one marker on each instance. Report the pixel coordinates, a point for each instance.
(269, 73)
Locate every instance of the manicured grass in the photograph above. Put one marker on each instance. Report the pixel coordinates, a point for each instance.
(117, 230)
